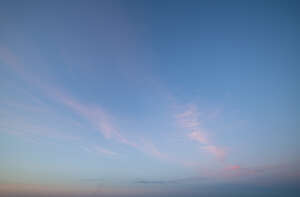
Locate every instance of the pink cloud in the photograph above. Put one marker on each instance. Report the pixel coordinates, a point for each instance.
(189, 120)
(9, 59)
(94, 115)
(234, 167)
(151, 149)
(218, 152)
(102, 122)
(198, 136)
(237, 171)
(99, 119)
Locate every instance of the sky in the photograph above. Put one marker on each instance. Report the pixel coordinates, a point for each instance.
(149, 98)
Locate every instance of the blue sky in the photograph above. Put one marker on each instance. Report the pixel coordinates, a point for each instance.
(143, 98)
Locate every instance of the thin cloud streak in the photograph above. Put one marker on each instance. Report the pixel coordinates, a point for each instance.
(94, 115)
(190, 121)
(99, 150)
(172, 181)
(198, 136)
(102, 150)
(149, 148)
(218, 152)
(101, 121)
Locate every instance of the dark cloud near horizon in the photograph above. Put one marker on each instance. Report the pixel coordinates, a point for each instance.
(91, 180)
(174, 181)
(151, 182)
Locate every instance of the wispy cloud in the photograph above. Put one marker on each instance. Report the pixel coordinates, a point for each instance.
(102, 150)
(237, 171)
(100, 120)
(9, 59)
(198, 136)
(98, 150)
(94, 115)
(190, 121)
(233, 167)
(149, 148)
(218, 152)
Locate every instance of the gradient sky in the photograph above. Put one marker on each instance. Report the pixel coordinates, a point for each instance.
(149, 98)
